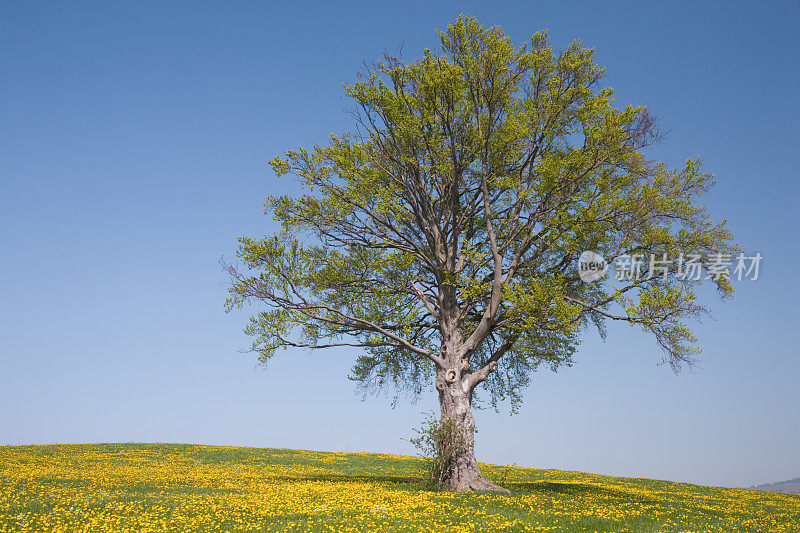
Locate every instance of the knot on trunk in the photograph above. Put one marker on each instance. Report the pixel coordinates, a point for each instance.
(450, 375)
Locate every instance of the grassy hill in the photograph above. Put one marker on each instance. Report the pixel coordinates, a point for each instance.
(162, 487)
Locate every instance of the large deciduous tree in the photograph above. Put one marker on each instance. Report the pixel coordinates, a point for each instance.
(440, 236)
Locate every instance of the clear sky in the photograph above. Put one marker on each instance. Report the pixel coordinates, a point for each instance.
(133, 142)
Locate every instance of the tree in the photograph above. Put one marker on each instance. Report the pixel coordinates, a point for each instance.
(440, 236)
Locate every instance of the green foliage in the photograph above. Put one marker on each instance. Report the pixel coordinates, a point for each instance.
(457, 207)
(439, 442)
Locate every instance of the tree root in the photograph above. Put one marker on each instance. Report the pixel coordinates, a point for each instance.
(477, 482)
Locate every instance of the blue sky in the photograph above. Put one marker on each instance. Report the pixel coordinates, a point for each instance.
(133, 142)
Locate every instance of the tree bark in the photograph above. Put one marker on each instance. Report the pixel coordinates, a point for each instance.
(457, 468)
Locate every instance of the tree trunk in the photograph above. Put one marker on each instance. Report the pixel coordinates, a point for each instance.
(457, 468)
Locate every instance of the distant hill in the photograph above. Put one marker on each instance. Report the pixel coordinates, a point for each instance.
(791, 486)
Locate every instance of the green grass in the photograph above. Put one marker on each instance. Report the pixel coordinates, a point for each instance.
(176, 487)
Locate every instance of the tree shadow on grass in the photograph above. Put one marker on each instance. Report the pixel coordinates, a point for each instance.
(415, 483)
(568, 489)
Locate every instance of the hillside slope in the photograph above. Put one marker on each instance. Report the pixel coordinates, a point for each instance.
(161, 487)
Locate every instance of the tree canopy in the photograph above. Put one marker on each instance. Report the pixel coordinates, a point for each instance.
(446, 225)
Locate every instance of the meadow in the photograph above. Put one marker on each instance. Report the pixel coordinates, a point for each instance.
(176, 487)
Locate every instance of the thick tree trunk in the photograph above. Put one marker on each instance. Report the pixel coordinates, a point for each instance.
(457, 468)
